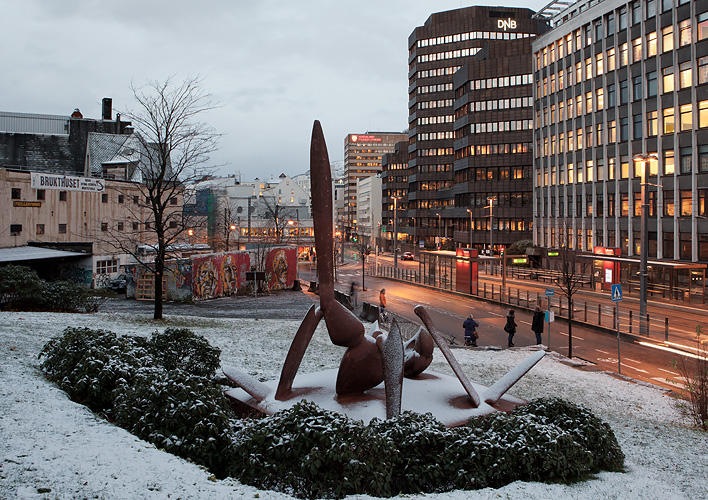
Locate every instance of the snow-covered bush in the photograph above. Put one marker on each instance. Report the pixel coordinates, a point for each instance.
(311, 453)
(182, 413)
(22, 290)
(586, 429)
(416, 442)
(180, 348)
(161, 388)
(91, 364)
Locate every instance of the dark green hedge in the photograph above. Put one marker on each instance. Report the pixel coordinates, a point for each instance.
(163, 390)
(22, 290)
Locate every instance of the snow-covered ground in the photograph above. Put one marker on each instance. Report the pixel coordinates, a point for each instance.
(47, 442)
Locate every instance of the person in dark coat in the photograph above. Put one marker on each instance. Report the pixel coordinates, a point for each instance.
(510, 327)
(537, 324)
(470, 326)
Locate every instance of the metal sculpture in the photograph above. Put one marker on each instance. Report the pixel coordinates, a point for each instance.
(370, 357)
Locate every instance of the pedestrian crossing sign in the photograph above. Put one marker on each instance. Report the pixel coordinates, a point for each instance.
(616, 293)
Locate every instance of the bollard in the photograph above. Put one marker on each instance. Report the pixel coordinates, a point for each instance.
(630, 321)
(599, 314)
(666, 328)
(485, 289)
(586, 311)
(527, 298)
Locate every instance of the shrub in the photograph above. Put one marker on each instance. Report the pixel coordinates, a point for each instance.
(416, 438)
(22, 289)
(19, 285)
(180, 348)
(586, 429)
(310, 452)
(91, 364)
(182, 413)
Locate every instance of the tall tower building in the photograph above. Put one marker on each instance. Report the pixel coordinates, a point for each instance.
(470, 125)
(362, 158)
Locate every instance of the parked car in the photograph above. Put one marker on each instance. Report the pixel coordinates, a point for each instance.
(118, 284)
(407, 256)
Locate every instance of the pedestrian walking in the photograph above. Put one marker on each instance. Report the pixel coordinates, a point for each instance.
(382, 299)
(353, 294)
(470, 326)
(510, 327)
(537, 323)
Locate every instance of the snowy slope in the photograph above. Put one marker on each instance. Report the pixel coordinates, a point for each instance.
(47, 441)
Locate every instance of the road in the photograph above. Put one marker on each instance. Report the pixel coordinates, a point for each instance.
(647, 361)
(682, 319)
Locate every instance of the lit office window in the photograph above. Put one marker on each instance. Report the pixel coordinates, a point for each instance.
(667, 39)
(668, 120)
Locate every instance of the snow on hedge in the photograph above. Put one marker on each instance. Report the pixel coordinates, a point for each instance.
(48, 442)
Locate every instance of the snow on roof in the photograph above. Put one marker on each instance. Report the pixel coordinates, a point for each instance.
(16, 254)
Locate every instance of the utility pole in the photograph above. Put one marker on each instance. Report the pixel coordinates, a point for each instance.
(470, 212)
(644, 245)
(249, 219)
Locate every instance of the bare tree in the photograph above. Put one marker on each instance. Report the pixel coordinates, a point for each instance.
(227, 221)
(171, 150)
(569, 282)
(695, 380)
(277, 217)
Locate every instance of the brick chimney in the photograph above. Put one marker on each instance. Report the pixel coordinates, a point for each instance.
(107, 108)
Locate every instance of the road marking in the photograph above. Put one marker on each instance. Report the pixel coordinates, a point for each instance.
(566, 334)
(674, 351)
(603, 352)
(636, 369)
(526, 323)
(669, 371)
(633, 360)
(667, 381)
(496, 314)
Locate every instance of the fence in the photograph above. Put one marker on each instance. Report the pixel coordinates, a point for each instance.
(584, 312)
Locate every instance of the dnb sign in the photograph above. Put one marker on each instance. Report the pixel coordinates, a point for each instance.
(506, 24)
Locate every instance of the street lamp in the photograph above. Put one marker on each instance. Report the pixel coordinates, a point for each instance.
(470, 212)
(644, 245)
(439, 235)
(415, 242)
(491, 239)
(232, 227)
(395, 231)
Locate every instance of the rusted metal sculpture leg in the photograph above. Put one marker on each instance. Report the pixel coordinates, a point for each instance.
(297, 351)
(360, 368)
(391, 347)
(454, 364)
(418, 353)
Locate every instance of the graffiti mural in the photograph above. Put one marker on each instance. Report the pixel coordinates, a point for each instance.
(218, 275)
(281, 268)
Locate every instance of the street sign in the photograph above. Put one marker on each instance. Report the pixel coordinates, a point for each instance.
(550, 291)
(616, 293)
(550, 316)
(520, 260)
(421, 244)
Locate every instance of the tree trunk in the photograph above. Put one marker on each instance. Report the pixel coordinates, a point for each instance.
(159, 272)
(570, 328)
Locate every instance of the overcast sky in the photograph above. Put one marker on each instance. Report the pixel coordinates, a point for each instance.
(274, 66)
